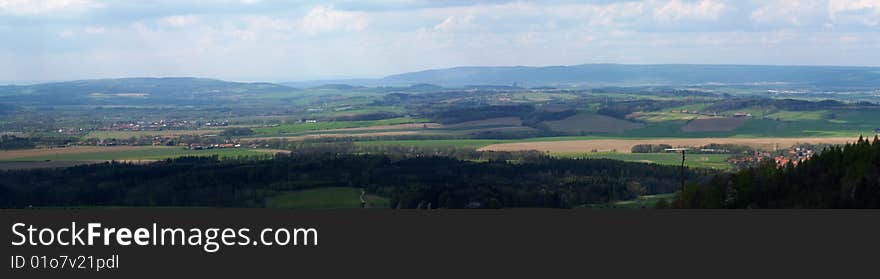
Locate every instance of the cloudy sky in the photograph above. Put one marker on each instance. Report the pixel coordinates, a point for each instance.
(266, 40)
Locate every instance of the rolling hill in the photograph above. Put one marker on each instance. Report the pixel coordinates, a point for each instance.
(618, 74)
(136, 90)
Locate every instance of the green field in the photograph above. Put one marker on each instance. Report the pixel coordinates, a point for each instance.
(329, 125)
(715, 161)
(450, 143)
(360, 111)
(591, 123)
(143, 154)
(799, 115)
(646, 201)
(138, 134)
(325, 198)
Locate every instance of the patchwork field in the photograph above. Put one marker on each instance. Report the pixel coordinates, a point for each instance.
(328, 134)
(491, 122)
(442, 143)
(136, 134)
(331, 125)
(591, 123)
(122, 153)
(715, 161)
(705, 124)
(28, 153)
(625, 145)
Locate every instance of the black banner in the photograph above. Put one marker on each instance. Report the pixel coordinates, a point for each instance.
(537, 243)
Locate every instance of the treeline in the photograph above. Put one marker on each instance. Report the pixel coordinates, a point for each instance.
(624, 108)
(712, 148)
(12, 142)
(650, 148)
(838, 177)
(414, 182)
(9, 142)
(458, 115)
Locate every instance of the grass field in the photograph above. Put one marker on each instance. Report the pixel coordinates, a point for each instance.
(799, 115)
(137, 134)
(625, 145)
(658, 116)
(715, 161)
(591, 123)
(325, 198)
(720, 124)
(646, 201)
(330, 125)
(456, 143)
(135, 153)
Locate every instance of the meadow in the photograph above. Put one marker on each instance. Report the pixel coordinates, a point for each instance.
(120, 154)
(437, 143)
(625, 145)
(645, 201)
(714, 161)
(330, 125)
(138, 134)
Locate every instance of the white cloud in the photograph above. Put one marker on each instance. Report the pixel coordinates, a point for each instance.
(789, 12)
(39, 7)
(95, 30)
(838, 6)
(66, 34)
(300, 42)
(179, 21)
(866, 12)
(676, 10)
(326, 19)
(456, 23)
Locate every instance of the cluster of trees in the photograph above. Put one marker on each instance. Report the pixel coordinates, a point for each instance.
(725, 148)
(464, 114)
(838, 177)
(414, 182)
(9, 142)
(650, 148)
(624, 108)
(709, 148)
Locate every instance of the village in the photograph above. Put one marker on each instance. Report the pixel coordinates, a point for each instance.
(794, 155)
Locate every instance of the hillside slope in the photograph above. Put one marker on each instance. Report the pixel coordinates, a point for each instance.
(135, 90)
(617, 74)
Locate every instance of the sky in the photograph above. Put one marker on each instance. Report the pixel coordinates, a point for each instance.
(264, 40)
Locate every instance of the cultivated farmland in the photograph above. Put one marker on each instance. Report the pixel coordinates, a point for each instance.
(625, 145)
(591, 123)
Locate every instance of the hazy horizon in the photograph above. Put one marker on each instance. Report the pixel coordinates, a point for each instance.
(277, 41)
(331, 79)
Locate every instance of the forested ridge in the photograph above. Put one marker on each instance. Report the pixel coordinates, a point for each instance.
(839, 177)
(418, 182)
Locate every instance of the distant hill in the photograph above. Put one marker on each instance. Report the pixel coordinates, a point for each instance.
(135, 90)
(336, 87)
(617, 74)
